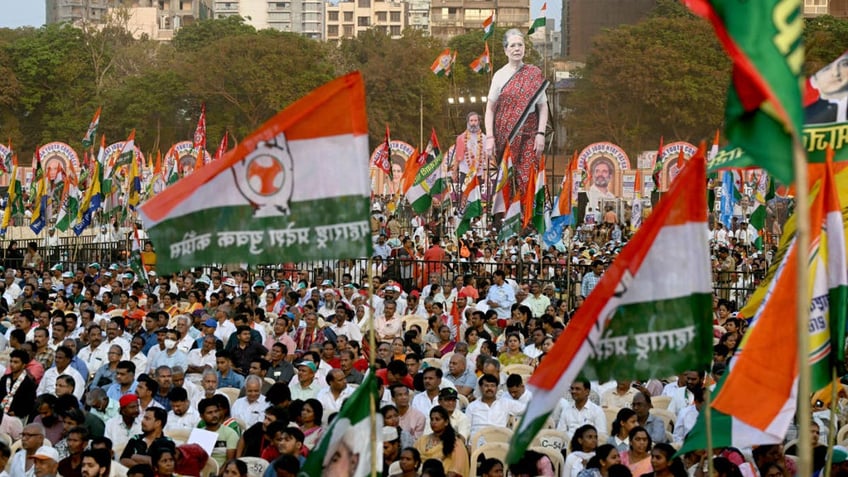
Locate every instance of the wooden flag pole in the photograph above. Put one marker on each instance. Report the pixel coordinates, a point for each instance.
(372, 361)
(802, 235)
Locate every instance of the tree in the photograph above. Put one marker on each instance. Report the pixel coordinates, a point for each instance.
(199, 34)
(397, 82)
(665, 76)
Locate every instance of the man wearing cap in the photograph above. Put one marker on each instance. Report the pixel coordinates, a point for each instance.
(391, 447)
(329, 307)
(46, 462)
(122, 427)
(229, 287)
(307, 386)
(137, 450)
(448, 399)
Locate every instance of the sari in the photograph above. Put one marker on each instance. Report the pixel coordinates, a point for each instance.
(514, 99)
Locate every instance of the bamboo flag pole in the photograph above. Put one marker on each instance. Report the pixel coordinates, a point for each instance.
(372, 361)
(802, 206)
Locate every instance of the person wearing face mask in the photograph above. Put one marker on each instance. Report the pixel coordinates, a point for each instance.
(171, 356)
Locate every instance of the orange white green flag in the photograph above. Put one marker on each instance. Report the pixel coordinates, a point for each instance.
(648, 316)
(298, 187)
(758, 367)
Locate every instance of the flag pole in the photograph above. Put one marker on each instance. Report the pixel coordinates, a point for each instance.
(372, 363)
(802, 201)
(708, 415)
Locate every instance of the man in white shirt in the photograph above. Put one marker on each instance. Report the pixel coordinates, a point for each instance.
(687, 416)
(489, 410)
(95, 354)
(333, 396)
(534, 349)
(581, 411)
(250, 408)
(62, 366)
(182, 415)
(685, 396)
(203, 357)
(343, 325)
(516, 390)
(425, 401)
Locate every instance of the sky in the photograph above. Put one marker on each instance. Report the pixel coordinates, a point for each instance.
(17, 13)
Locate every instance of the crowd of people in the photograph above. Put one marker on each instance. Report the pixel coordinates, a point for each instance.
(107, 372)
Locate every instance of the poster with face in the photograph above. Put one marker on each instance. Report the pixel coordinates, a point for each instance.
(827, 94)
(59, 157)
(603, 164)
(183, 153)
(381, 183)
(670, 155)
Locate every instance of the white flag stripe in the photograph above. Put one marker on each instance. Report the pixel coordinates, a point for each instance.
(317, 163)
(661, 276)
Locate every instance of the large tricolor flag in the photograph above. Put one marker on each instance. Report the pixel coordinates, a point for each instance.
(758, 366)
(482, 62)
(91, 133)
(70, 204)
(442, 65)
(125, 157)
(650, 314)
(410, 171)
(489, 27)
(345, 447)
(430, 180)
(764, 111)
(512, 220)
(540, 21)
(473, 206)
(269, 198)
(14, 201)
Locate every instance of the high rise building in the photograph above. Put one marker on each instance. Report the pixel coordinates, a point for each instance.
(347, 19)
(297, 16)
(163, 15)
(583, 19)
(455, 17)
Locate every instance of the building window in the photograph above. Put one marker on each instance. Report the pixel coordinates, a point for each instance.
(364, 3)
(348, 31)
(348, 16)
(395, 16)
(332, 16)
(381, 17)
(363, 21)
(332, 30)
(395, 30)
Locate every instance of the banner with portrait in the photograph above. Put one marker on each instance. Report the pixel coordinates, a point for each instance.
(603, 164)
(381, 183)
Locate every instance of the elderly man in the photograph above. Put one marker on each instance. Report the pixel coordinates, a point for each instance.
(333, 396)
(203, 357)
(251, 408)
(32, 438)
(307, 386)
(388, 326)
(460, 375)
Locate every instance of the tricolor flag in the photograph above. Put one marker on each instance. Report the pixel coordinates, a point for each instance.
(125, 157)
(136, 262)
(757, 219)
(430, 180)
(70, 204)
(650, 314)
(769, 349)
(512, 220)
(269, 198)
(776, 382)
(39, 202)
(91, 134)
(199, 141)
(134, 188)
(14, 201)
(636, 207)
(92, 199)
(482, 62)
(383, 155)
(172, 175)
(540, 21)
(345, 447)
(410, 171)
(528, 198)
(489, 27)
(473, 206)
(561, 212)
(442, 65)
(539, 199)
(764, 112)
(503, 186)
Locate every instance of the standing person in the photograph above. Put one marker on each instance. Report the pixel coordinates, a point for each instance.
(517, 89)
(434, 259)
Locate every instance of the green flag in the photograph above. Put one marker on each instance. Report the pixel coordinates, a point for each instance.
(345, 447)
(539, 22)
(764, 113)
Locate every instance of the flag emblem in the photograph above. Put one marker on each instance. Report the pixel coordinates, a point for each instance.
(264, 178)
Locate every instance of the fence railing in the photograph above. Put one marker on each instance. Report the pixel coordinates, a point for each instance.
(76, 253)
